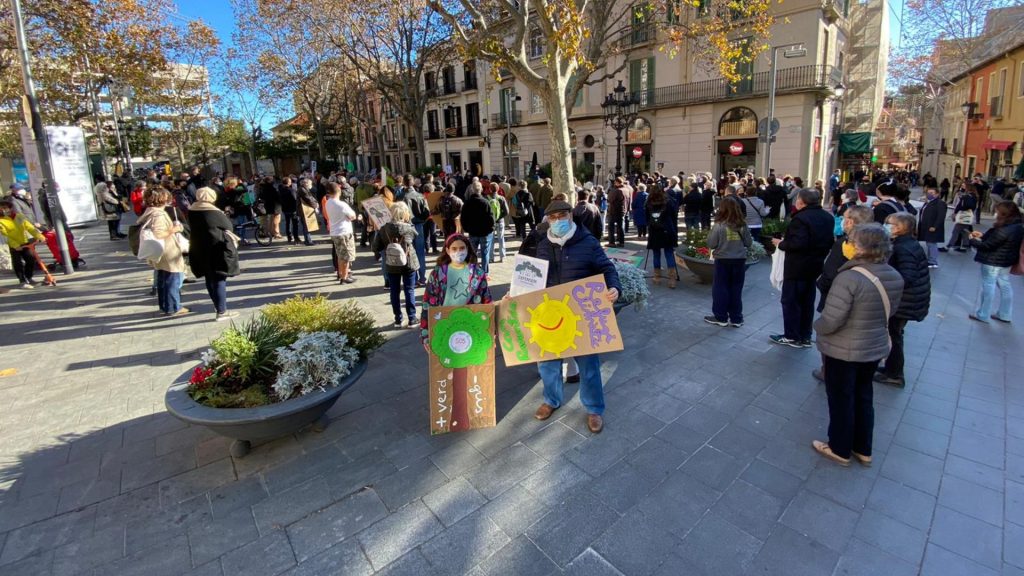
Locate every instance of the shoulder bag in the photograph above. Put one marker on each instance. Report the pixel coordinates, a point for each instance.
(881, 292)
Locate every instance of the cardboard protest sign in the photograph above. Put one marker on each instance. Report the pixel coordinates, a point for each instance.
(378, 211)
(623, 255)
(573, 319)
(528, 275)
(433, 199)
(461, 367)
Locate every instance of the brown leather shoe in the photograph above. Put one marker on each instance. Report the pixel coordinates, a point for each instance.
(864, 460)
(825, 450)
(544, 412)
(595, 423)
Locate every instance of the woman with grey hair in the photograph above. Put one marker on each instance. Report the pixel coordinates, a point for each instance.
(394, 244)
(853, 336)
(110, 209)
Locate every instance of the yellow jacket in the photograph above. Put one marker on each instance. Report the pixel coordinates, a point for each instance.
(18, 230)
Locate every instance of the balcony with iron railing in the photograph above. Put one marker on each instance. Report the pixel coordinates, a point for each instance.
(472, 130)
(504, 119)
(433, 133)
(812, 77)
(469, 84)
(639, 34)
(446, 89)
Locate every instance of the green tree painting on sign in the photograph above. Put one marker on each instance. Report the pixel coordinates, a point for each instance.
(460, 341)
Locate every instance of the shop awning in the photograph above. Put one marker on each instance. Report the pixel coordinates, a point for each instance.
(998, 144)
(855, 143)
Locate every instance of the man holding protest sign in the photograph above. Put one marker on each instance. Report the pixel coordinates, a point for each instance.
(573, 254)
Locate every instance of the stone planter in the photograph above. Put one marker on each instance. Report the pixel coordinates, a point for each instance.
(704, 270)
(247, 425)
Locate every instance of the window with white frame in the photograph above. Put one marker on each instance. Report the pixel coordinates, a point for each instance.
(536, 43)
(1020, 87)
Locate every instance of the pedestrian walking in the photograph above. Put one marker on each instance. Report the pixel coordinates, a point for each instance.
(20, 236)
(110, 209)
(808, 239)
(997, 250)
(213, 249)
(964, 206)
(170, 266)
(420, 217)
(574, 254)
(449, 207)
(394, 245)
(853, 336)
(522, 210)
(499, 207)
(909, 260)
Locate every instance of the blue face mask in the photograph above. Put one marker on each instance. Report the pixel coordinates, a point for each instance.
(888, 229)
(561, 227)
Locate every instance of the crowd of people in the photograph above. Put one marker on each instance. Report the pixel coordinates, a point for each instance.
(856, 242)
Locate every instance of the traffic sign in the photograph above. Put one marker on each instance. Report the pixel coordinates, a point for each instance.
(638, 152)
(762, 126)
(736, 148)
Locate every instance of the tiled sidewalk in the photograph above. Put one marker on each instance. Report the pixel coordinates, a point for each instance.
(704, 467)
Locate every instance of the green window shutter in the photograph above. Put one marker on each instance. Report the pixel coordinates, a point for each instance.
(650, 73)
(634, 76)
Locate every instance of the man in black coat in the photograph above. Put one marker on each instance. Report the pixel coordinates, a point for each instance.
(807, 241)
(931, 225)
(775, 197)
(587, 216)
(888, 203)
(478, 223)
(908, 259)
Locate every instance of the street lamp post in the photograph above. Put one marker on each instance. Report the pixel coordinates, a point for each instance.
(620, 110)
(49, 189)
(791, 51)
(509, 99)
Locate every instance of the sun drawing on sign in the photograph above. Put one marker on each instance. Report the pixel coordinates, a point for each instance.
(553, 326)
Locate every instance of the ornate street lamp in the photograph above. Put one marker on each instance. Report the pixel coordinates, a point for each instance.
(620, 110)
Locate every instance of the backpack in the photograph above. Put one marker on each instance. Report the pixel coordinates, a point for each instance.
(521, 203)
(495, 208)
(448, 208)
(394, 254)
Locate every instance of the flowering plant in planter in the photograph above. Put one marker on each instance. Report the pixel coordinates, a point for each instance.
(696, 247)
(291, 349)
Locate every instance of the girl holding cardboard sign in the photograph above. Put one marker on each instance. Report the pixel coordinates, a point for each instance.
(458, 279)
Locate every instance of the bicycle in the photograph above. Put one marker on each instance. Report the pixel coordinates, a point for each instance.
(259, 233)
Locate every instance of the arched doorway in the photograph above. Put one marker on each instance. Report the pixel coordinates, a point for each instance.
(737, 140)
(638, 137)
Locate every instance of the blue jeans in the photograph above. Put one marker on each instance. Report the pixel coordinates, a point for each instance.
(670, 258)
(933, 253)
(399, 283)
(727, 289)
(482, 245)
(419, 244)
(168, 290)
(217, 288)
(499, 237)
(992, 277)
(591, 389)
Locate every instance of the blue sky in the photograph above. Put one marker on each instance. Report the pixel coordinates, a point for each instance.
(216, 13)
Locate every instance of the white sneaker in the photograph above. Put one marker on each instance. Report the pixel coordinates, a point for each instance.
(226, 316)
(27, 286)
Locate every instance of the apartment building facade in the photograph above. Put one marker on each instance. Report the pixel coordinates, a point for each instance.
(689, 120)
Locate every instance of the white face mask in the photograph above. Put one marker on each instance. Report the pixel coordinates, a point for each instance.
(458, 256)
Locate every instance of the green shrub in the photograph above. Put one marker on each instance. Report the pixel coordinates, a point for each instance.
(317, 314)
(773, 226)
(250, 350)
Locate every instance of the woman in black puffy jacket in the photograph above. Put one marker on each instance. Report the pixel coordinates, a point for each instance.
(909, 260)
(998, 250)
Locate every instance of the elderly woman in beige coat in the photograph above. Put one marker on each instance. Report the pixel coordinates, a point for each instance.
(853, 336)
(110, 209)
(170, 267)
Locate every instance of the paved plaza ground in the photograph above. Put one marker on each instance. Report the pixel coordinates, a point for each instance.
(704, 467)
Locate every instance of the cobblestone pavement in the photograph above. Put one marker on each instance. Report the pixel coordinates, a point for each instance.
(704, 467)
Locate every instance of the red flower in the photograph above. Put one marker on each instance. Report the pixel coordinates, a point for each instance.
(199, 375)
(703, 251)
